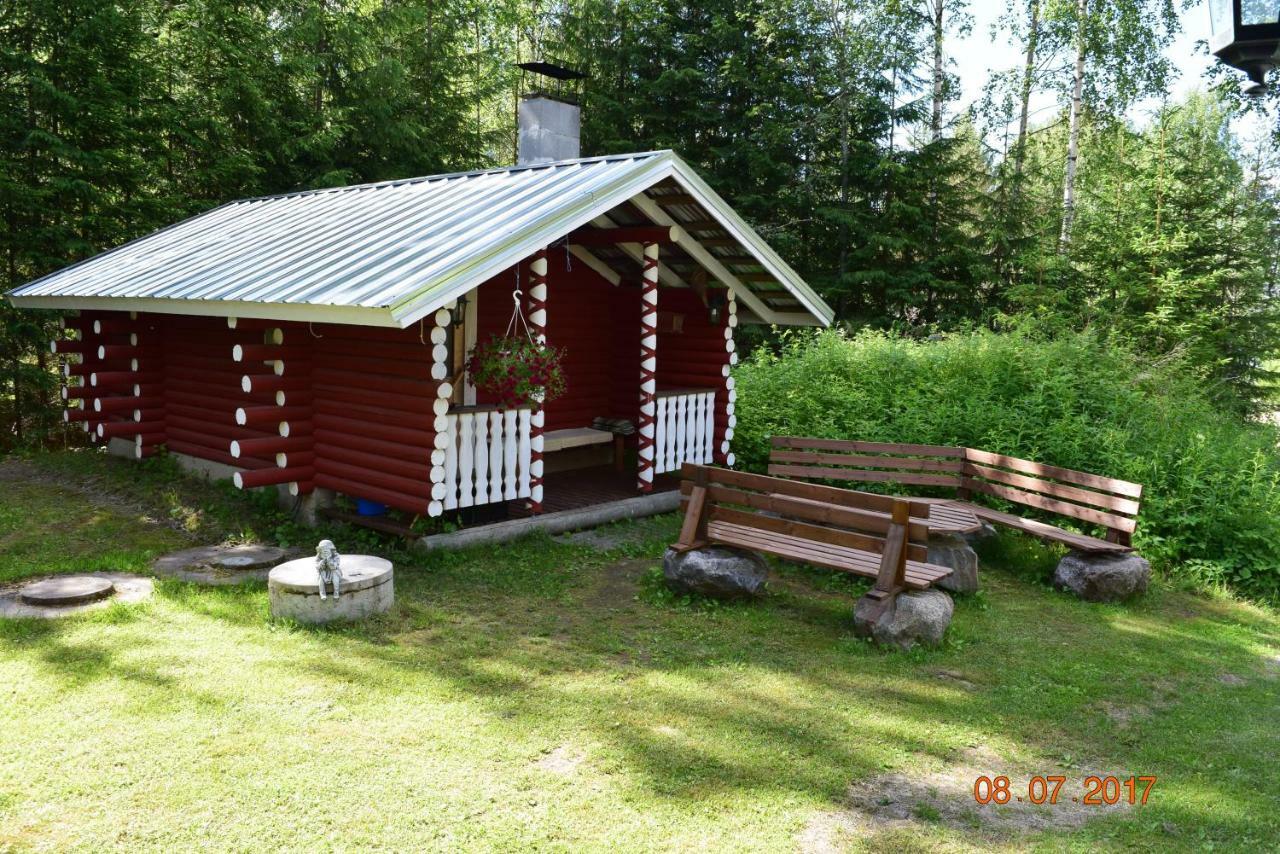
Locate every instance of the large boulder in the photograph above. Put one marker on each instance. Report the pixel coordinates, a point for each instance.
(716, 571)
(917, 617)
(954, 551)
(1109, 577)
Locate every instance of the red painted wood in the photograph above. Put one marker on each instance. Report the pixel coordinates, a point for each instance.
(272, 476)
(398, 500)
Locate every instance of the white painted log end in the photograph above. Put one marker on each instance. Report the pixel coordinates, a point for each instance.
(237, 353)
(241, 418)
(235, 449)
(237, 479)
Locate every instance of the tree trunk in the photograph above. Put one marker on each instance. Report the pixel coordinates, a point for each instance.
(1028, 79)
(1073, 133)
(939, 72)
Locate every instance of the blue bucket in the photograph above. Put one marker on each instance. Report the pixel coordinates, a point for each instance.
(365, 507)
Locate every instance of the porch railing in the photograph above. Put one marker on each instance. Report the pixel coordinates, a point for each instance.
(685, 423)
(487, 460)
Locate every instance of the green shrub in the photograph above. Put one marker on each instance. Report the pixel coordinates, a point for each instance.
(1211, 505)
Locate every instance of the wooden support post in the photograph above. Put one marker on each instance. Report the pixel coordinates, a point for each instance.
(892, 579)
(537, 317)
(648, 368)
(693, 533)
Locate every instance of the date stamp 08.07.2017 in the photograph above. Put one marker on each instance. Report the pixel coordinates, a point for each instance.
(1053, 789)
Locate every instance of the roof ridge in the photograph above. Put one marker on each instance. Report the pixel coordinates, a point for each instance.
(446, 176)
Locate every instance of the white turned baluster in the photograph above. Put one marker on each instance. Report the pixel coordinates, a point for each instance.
(694, 450)
(709, 428)
(509, 441)
(495, 456)
(482, 457)
(522, 490)
(466, 459)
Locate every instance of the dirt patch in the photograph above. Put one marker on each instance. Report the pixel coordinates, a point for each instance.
(21, 471)
(618, 584)
(945, 796)
(1232, 680)
(616, 535)
(563, 761)
(956, 678)
(1123, 716)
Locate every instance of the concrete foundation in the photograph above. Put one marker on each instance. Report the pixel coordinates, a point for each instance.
(555, 523)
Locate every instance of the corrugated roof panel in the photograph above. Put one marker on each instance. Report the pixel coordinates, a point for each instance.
(369, 245)
(377, 253)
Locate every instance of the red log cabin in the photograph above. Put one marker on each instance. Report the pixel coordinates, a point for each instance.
(314, 342)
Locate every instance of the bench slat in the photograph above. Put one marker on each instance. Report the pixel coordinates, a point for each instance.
(815, 533)
(865, 476)
(866, 447)
(1045, 531)
(1063, 508)
(1079, 478)
(828, 513)
(826, 494)
(818, 458)
(919, 575)
(1125, 506)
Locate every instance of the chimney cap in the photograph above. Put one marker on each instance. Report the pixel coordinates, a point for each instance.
(550, 69)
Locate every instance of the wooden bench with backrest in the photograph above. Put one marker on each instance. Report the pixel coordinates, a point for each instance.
(1089, 498)
(875, 536)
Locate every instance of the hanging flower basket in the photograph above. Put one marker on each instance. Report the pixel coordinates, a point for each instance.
(516, 370)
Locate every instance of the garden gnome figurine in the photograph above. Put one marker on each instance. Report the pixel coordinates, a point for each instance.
(328, 566)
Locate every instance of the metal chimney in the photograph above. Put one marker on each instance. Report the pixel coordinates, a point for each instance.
(549, 122)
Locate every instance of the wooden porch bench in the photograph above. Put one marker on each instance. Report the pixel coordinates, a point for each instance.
(1093, 499)
(874, 536)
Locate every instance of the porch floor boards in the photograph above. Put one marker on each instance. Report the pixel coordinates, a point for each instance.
(571, 490)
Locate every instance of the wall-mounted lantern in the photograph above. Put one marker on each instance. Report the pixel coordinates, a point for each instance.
(715, 307)
(1245, 34)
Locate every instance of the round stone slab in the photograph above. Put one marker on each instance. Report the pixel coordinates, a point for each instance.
(247, 557)
(220, 565)
(66, 590)
(366, 588)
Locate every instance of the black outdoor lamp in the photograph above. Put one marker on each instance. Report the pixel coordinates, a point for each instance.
(715, 307)
(1245, 34)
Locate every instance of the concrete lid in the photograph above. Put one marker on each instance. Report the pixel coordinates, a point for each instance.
(67, 590)
(358, 572)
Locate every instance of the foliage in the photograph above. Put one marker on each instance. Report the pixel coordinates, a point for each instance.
(517, 370)
(1211, 501)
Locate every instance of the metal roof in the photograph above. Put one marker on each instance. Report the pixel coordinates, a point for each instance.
(382, 254)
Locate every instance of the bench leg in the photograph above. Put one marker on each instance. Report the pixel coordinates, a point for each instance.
(693, 533)
(892, 578)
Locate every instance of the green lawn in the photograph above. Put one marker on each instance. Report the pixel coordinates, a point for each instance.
(546, 695)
